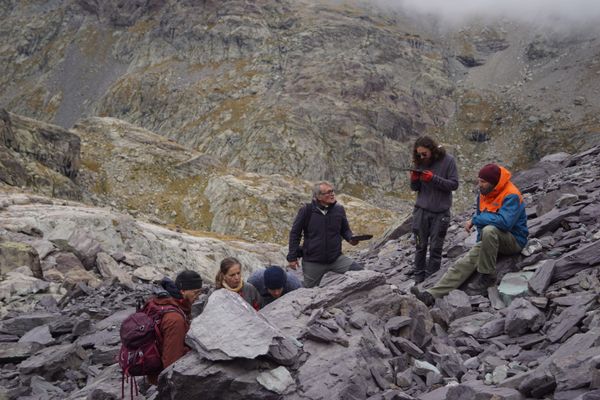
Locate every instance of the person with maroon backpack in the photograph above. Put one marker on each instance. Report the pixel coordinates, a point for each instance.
(154, 337)
(174, 325)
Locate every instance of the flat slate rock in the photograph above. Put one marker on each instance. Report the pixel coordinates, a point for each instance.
(478, 390)
(542, 277)
(577, 260)
(230, 328)
(566, 320)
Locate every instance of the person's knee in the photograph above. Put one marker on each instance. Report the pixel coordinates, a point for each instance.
(489, 231)
(420, 244)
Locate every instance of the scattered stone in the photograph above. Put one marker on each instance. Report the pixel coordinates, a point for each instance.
(522, 317)
(514, 285)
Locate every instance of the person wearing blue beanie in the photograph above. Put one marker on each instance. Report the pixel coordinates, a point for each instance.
(273, 282)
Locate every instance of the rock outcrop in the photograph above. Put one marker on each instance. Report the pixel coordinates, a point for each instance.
(38, 155)
(358, 335)
(158, 180)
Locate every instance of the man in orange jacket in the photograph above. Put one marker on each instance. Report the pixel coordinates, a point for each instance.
(501, 223)
(180, 294)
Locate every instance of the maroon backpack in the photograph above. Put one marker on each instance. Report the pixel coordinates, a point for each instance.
(141, 342)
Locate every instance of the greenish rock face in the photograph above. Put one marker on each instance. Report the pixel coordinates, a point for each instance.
(514, 285)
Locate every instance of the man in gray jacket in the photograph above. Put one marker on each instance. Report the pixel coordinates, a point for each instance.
(434, 178)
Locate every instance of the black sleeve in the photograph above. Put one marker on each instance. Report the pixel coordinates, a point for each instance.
(296, 233)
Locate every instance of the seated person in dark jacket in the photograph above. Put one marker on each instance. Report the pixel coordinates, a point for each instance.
(273, 282)
(323, 224)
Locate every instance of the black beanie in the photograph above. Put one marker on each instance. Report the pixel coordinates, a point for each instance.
(274, 277)
(188, 280)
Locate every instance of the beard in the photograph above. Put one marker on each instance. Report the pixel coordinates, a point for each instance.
(487, 190)
(425, 162)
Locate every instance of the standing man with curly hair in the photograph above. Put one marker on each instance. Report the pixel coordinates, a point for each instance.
(434, 178)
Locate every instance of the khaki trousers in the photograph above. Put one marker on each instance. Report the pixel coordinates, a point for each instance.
(482, 257)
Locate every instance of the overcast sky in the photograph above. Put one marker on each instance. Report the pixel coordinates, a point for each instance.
(525, 10)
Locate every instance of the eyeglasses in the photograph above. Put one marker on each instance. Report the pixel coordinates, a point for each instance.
(327, 193)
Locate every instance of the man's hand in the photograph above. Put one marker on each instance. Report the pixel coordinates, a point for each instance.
(468, 225)
(414, 176)
(426, 176)
(293, 264)
(353, 242)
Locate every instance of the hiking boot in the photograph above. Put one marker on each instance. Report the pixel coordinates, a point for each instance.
(423, 296)
(482, 282)
(419, 277)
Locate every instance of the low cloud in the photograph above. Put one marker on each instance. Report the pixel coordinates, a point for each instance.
(534, 11)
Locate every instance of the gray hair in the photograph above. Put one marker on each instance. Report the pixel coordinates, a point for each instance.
(316, 190)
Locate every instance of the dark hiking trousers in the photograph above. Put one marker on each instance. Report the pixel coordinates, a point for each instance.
(429, 229)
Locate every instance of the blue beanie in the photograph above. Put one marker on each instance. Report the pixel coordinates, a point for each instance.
(274, 277)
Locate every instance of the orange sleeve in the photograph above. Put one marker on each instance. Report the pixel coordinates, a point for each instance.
(173, 328)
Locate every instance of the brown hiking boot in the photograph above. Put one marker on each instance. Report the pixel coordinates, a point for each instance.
(423, 296)
(482, 282)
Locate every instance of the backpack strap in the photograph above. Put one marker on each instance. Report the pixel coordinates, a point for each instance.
(162, 310)
(306, 218)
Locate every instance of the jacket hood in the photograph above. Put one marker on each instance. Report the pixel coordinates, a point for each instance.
(169, 288)
(183, 304)
(505, 176)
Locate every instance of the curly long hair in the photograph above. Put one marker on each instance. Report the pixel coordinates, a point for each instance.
(437, 151)
(226, 263)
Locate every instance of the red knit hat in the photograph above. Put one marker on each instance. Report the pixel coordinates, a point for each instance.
(490, 173)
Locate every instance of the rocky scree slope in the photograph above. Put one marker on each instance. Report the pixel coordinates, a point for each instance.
(358, 335)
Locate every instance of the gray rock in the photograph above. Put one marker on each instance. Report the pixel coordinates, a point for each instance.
(16, 352)
(566, 200)
(573, 372)
(18, 284)
(109, 269)
(551, 220)
(566, 320)
(395, 323)
(40, 334)
(500, 373)
(514, 285)
(542, 277)
(522, 317)
(455, 305)
(548, 200)
(538, 384)
(24, 323)
(577, 260)
(277, 380)
(16, 254)
(471, 324)
(478, 390)
(52, 362)
(404, 378)
(104, 386)
(229, 328)
(492, 328)
(320, 333)
(408, 347)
